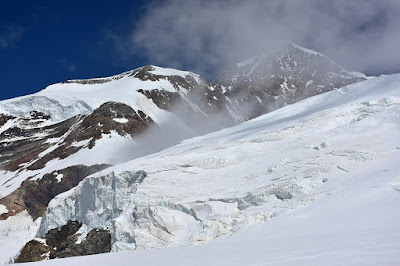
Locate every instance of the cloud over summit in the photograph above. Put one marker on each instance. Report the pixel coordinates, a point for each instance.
(207, 35)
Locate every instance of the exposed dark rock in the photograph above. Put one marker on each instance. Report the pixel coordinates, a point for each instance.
(37, 115)
(193, 101)
(33, 119)
(143, 73)
(101, 121)
(61, 243)
(30, 142)
(63, 237)
(13, 203)
(35, 195)
(19, 145)
(21, 148)
(97, 241)
(4, 118)
(165, 100)
(33, 251)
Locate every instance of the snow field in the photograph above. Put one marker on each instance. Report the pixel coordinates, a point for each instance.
(323, 173)
(216, 184)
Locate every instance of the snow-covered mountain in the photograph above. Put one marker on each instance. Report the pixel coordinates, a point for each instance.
(47, 133)
(53, 140)
(64, 100)
(282, 76)
(337, 143)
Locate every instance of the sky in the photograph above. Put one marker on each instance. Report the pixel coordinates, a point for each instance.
(44, 42)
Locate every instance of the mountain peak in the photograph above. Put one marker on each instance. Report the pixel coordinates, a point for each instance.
(283, 75)
(147, 72)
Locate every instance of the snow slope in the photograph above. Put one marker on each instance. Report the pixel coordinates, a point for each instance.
(358, 225)
(325, 170)
(64, 100)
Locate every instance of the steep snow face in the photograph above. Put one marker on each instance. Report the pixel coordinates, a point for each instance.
(23, 105)
(216, 184)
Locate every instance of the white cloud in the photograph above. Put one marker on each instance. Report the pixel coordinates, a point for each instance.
(204, 36)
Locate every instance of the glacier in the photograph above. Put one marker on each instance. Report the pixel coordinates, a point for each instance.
(277, 165)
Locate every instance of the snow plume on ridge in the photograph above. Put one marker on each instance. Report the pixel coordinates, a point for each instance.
(173, 130)
(153, 139)
(188, 33)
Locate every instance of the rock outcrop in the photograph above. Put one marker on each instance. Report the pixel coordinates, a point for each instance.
(35, 195)
(64, 242)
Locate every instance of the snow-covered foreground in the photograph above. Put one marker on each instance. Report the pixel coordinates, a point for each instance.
(323, 172)
(357, 225)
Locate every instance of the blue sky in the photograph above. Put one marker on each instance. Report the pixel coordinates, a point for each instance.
(43, 42)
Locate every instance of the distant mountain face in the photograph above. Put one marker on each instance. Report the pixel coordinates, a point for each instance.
(267, 82)
(52, 140)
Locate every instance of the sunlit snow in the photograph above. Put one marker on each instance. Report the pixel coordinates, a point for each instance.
(322, 175)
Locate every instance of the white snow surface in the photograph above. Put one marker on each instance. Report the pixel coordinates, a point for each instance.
(121, 120)
(357, 225)
(15, 232)
(3, 209)
(324, 171)
(171, 72)
(64, 100)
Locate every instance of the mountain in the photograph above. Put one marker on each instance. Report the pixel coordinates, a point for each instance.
(47, 133)
(338, 147)
(280, 77)
(55, 139)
